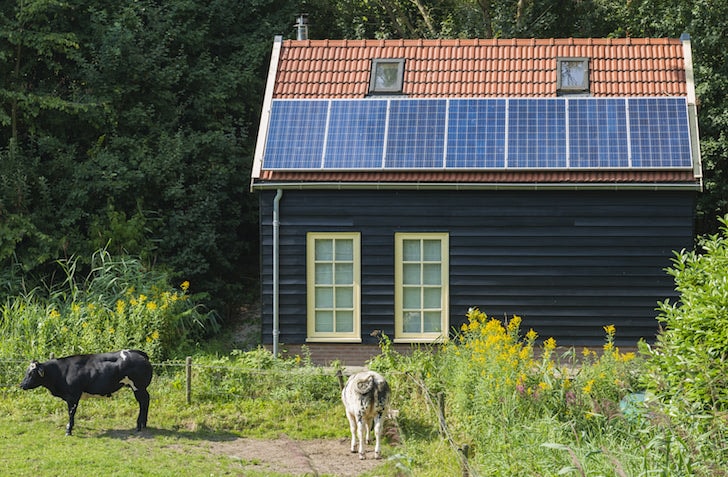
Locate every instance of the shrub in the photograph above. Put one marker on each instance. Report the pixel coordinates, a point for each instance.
(688, 365)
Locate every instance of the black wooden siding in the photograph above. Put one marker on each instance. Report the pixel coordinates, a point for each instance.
(567, 262)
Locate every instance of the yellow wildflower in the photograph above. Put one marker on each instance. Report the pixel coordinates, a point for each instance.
(549, 345)
(185, 285)
(151, 306)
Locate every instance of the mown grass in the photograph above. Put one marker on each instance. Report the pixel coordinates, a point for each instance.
(177, 441)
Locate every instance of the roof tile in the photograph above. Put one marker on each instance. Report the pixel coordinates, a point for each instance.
(480, 67)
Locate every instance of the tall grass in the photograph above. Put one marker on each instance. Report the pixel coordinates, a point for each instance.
(118, 304)
(525, 409)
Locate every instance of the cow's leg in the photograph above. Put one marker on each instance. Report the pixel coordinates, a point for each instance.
(360, 424)
(368, 424)
(377, 435)
(142, 396)
(72, 406)
(353, 429)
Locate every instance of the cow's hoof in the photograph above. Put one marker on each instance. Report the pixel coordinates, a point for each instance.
(377, 455)
(362, 457)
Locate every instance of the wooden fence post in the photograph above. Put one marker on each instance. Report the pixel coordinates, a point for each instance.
(441, 412)
(465, 451)
(340, 377)
(188, 367)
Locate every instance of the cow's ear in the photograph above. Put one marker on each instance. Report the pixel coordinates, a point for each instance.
(38, 367)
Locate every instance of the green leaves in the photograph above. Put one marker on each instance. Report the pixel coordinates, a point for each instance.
(688, 366)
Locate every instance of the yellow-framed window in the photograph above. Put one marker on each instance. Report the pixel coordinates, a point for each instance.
(421, 286)
(333, 274)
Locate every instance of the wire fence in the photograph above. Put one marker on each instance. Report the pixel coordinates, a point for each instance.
(202, 382)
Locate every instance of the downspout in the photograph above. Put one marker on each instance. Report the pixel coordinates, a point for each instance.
(276, 279)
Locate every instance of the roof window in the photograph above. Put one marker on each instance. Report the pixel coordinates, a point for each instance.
(572, 75)
(386, 76)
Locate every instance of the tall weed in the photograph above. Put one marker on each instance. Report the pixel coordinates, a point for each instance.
(119, 304)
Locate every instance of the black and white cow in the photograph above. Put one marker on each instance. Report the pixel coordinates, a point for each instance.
(102, 374)
(365, 397)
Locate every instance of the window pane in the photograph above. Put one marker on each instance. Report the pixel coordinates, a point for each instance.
(324, 274)
(411, 297)
(411, 274)
(344, 322)
(432, 322)
(412, 322)
(431, 250)
(344, 250)
(411, 250)
(431, 297)
(344, 297)
(431, 272)
(324, 297)
(324, 249)
(344, 273)
(324, 321)
(386, 76)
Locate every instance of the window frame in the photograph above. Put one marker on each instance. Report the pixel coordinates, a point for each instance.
(398, 86)
(423, 337)
(311, 306)
(570, 89)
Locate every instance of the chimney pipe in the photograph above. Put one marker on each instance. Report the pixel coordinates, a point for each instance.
(302, 27)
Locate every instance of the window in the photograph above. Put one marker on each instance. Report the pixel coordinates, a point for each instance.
(333, 269)
(386, 76)
(572, 75)
(421, 287)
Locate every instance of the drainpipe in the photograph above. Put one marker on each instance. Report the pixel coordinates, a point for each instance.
(276, 279)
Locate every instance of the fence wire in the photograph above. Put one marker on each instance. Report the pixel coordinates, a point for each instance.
(13, 370)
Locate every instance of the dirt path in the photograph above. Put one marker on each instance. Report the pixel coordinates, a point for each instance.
(297, 458)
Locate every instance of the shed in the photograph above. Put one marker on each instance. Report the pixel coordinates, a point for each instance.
(402, 182)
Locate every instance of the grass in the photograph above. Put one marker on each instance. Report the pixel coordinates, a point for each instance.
(177, 441)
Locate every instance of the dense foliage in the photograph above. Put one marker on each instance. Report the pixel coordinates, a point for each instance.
(130, 126)
(689, 361)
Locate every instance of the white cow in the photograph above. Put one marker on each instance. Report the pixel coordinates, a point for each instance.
(365, 397)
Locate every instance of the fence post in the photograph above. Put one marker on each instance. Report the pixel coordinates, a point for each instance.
(441, 412)
(465, 451)
(340, 377)
(188, 368)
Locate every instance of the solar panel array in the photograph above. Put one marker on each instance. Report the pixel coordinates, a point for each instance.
(533, 133)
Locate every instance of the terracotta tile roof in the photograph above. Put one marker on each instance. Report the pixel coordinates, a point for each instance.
(481, 68)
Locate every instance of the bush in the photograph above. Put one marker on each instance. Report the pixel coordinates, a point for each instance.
(688, 365)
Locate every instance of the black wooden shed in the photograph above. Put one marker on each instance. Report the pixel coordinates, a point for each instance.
(402, 182)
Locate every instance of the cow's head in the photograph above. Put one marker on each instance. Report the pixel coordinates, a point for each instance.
(33, 376)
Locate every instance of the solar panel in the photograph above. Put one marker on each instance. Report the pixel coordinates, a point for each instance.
(598, 133)
(522, 133)
(659, 135)
(476, 134)
(416, 134)
(536, 133)
(296, 135)
(356, 134)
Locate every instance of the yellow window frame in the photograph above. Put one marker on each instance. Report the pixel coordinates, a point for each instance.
(314, 308)
(400, 335)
